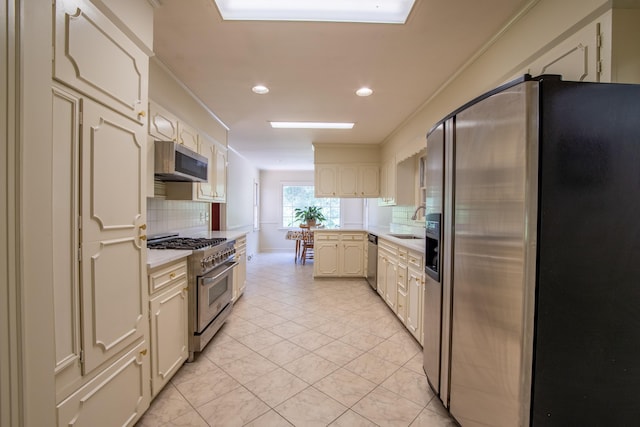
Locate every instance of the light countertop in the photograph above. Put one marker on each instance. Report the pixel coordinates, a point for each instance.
(384, 233)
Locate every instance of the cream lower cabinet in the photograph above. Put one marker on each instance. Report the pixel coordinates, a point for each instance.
(339, 254)
(401, 284)
(169, 311)
(240, 272)
(118, 396)
(415, 302)
(388, 272)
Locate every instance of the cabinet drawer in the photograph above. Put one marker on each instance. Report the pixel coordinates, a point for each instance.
(415, 259)
(402, 255)
(167, 276)
(326, 237)
(388, 246)
(348, 237)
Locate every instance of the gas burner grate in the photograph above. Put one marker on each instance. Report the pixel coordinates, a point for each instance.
(186, 243)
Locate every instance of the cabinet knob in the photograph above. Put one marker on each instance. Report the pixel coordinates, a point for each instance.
(143, 352)
(185, 289)
(143, 237)
(143, 227)
(172, 276)
(142, 114)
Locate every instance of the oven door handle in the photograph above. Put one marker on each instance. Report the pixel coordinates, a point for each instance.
(207, 280)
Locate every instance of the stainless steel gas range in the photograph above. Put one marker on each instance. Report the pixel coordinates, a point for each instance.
(210, 276)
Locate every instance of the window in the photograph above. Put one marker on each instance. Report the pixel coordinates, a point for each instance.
(300, 196)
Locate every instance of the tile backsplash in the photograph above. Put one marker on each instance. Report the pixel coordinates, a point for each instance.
(401, 221)
(175, 215)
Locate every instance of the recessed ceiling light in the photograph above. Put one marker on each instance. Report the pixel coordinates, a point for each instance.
(260, 90)
(364, 91)
(370, 11)
(310, 125)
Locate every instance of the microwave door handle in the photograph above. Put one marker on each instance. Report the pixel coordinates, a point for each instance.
(208, 280)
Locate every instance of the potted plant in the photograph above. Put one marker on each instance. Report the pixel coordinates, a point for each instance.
(309, 215)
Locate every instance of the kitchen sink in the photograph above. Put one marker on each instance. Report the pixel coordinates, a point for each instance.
(406, 236)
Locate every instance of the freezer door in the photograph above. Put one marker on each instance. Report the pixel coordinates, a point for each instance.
(433, 288)
(494, 258)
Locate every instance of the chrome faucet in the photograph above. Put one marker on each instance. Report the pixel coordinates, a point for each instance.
(415, 214)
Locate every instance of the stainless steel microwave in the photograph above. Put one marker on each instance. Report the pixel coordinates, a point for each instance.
(175, 162)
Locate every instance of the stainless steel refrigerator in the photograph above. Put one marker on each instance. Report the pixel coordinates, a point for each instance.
(532, 298)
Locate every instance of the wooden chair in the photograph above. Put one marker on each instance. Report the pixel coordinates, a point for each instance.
(307, 246)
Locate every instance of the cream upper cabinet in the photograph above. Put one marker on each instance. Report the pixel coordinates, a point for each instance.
(388, 183)
(206, 190)
(163, 126)
(369, 178)
(326, 180)
(342, 180)
(220, 187)
(188, 136)
(95, 57)
(169, 310)
(339, 254)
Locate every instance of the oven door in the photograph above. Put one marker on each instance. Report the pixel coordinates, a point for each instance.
(215, 290)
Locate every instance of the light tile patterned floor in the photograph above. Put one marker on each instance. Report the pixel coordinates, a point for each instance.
(302, 352)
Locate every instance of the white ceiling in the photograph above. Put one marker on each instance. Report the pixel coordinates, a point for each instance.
(313, 70)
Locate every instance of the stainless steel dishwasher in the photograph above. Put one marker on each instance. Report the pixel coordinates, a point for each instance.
(372, 261)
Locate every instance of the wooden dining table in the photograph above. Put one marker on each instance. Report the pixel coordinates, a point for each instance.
(299, 237)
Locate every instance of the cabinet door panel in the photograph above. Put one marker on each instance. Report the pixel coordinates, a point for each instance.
(370, 181)
(348, 181)
(113, 300)
(84, 40)
(352, 258)
(325, 181)
(220, 189)
(206, 190)
(113, 257)
(66, 282)
(113, 173)
(188, 136)
(326, 258)
(163, 126)
(169, 334)
(116, 397)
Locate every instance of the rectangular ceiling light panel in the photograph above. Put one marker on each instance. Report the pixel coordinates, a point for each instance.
(310, 125)
(368, 11)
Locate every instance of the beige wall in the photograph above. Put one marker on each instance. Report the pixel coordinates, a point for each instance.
(525, 39)
(167, 91)
(241, 176)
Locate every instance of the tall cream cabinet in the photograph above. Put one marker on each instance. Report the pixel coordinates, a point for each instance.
(347, 180)
(169, 315)
(339, 254)
(99, 132)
